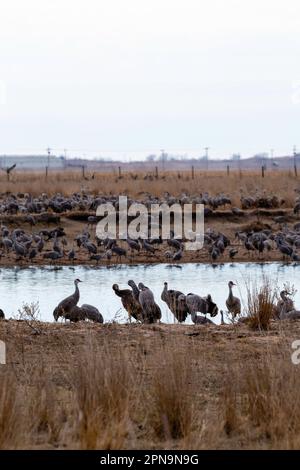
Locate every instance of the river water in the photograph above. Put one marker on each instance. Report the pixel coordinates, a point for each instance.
(48, 285)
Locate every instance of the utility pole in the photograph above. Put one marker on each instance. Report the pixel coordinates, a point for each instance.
(48, 153)
(272, 157)
(65, 155)
(206, 156)
(295, 160)
(163, 158)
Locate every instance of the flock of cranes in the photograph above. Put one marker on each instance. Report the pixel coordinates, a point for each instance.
(54, 245)
(140, 304)
(69, 310)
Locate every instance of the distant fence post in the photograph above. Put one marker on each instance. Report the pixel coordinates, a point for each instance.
(295, 170)
(193, 172)
(120, 171)
(228, 169)
(263, 171)
(156, 172)
(46, 172)
(83, 171)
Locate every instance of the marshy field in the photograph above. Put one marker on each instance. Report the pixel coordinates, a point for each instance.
(157, 347)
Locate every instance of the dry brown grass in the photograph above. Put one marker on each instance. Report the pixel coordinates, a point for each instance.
(261, 304)
(116, 387)
(102, 385)
(281, 183)
(262, 401)
(10, 430)
(171, 415)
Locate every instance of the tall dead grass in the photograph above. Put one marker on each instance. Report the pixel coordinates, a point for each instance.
(262, 401)
(172, 406)
(10, 429)
(152, 393)
(261, 304)
(103, 387)
(174, 182)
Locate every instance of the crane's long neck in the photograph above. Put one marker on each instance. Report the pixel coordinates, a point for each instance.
(283, 296)
(165, 292)
(230, 292)
(76, 293)
(135, 290)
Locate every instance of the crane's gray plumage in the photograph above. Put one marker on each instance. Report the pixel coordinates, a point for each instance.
(66, 305)
(287, 310)
(129, 301)
(204, 305)
(284, 304)
(233, 303)
(199, 320)
(92, 313)
(135, 289)
(151, 311)
(170, 297)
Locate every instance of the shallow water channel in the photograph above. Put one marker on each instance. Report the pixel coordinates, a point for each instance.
(48, 285)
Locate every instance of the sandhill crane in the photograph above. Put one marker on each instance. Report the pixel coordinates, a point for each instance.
(118, 251)
(96, 258)
(135, 289)
(232, 253)
(148, 247)
(133, 245)
(287, 310)
(178, 255)
(91, 247)
(214, 253)
(199, 320)
(283, 247)
(71, 255)
(284, 304)
(233, 303)
(32, 253)
(92, 313)
(204, 305)
(129, 302)
(179, 309)
(151, 311)
(74, 315)
(40, 245)
(67, 304)
(174, 243)
(249, 246)
(53, 255)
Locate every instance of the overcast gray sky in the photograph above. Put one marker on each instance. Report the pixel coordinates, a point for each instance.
(136, 76)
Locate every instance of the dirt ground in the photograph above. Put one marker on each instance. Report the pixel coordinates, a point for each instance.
(209, 358)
